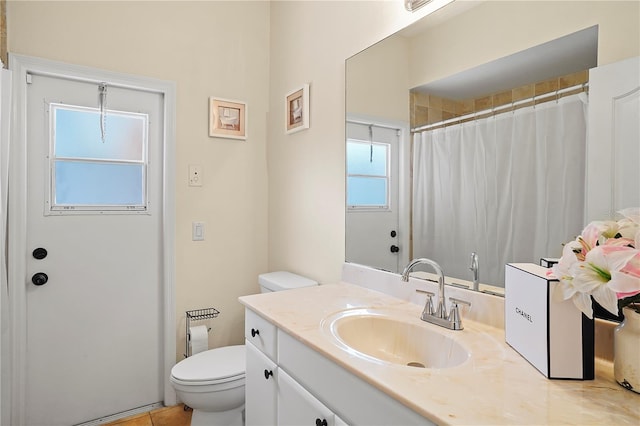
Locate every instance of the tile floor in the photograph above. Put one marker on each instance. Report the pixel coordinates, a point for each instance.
(164, 416)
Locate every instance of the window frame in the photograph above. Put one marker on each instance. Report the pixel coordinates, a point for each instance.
(53, 208)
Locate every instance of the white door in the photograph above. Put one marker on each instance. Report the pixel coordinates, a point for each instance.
(372, 227)
(613, 150)
(94, 329)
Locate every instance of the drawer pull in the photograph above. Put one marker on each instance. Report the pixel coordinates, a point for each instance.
(322, 422)
(267, 373)
(254, 332)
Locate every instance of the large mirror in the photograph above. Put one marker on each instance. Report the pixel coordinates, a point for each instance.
(416, 186)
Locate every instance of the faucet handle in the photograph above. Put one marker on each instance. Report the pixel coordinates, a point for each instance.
(428, 307)
(457, 301)
(454, 313)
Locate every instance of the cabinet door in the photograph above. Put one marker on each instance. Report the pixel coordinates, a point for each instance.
(297, 407)
(261, 388)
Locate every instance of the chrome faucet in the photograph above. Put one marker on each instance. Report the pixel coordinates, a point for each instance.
(438, 315)
(475, 270)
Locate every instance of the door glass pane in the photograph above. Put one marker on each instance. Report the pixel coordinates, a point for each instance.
(103, 184)
(367, 158)
(366, 191)
(77, 134)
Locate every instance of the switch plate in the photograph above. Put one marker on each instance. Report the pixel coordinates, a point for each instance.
(197, 231)
(195, 175)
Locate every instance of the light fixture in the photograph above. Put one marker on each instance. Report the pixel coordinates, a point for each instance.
(413, 5)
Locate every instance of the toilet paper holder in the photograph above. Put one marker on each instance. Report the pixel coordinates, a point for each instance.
(197, 315)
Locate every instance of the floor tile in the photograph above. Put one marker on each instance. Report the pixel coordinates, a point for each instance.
(171, 416)
(143, 419)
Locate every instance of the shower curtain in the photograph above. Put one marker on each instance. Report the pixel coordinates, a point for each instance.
(509, 187)
(5, 108)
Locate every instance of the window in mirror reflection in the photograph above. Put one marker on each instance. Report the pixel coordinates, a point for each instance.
(367, 174)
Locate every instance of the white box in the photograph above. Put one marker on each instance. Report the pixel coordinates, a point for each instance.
(555, 337)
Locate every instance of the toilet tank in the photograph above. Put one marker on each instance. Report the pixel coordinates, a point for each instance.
(283, 280)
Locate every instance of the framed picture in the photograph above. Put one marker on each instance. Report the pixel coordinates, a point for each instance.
(227, 118)
(297, 110)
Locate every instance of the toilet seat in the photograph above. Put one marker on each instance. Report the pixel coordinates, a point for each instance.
(220, 365)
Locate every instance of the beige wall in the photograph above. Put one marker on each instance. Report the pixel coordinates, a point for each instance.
(3, 33)
(378, 79)
(207, 48)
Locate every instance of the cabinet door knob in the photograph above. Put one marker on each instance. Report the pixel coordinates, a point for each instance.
(267, 373)
(254, 332)
(322, 422)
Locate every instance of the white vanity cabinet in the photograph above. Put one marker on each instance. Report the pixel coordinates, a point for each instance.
(290, 383)
(271, 396)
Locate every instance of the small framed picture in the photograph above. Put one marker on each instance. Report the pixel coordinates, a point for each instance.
(227, 118)
(297, 110)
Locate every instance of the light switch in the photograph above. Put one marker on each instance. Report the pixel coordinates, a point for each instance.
(195, 175)
(197, 231)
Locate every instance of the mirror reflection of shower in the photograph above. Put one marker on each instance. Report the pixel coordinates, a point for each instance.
(383, 93)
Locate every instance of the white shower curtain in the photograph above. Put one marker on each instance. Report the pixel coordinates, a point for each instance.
(5, 108)
(508, 187)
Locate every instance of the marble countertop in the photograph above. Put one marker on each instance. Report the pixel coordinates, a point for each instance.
(495, 386)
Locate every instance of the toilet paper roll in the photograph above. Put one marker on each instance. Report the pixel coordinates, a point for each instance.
(198, 339)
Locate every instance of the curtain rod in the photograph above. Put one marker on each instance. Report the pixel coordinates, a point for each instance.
(365, 123)
(501, 108)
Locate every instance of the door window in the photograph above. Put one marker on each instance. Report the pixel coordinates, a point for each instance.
(367, 174)
(97, 161)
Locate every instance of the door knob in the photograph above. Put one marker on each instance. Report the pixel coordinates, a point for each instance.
(394, 249)
(39, 278)
(39, 253)
(267, 373)
(393, 234)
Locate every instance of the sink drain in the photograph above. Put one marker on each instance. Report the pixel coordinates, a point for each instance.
(415, 364)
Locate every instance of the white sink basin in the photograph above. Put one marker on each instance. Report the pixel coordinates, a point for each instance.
(383, 337)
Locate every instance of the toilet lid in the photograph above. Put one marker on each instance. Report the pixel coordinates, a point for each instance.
(211, 365)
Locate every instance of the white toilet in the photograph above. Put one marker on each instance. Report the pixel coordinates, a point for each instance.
(212, 382)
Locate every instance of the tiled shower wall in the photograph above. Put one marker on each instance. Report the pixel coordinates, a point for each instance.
(429, 109)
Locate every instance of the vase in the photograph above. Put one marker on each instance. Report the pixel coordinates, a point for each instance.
(626, 346)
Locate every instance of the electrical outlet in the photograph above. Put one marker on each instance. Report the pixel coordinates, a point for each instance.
(195, 175)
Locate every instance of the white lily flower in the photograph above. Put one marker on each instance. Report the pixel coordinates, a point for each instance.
(592, 277)
(603, 263)
(624, 283)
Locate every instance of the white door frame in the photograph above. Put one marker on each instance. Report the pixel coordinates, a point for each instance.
(17, 232)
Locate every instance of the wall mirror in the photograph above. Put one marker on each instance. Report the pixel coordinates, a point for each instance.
(415, 190)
